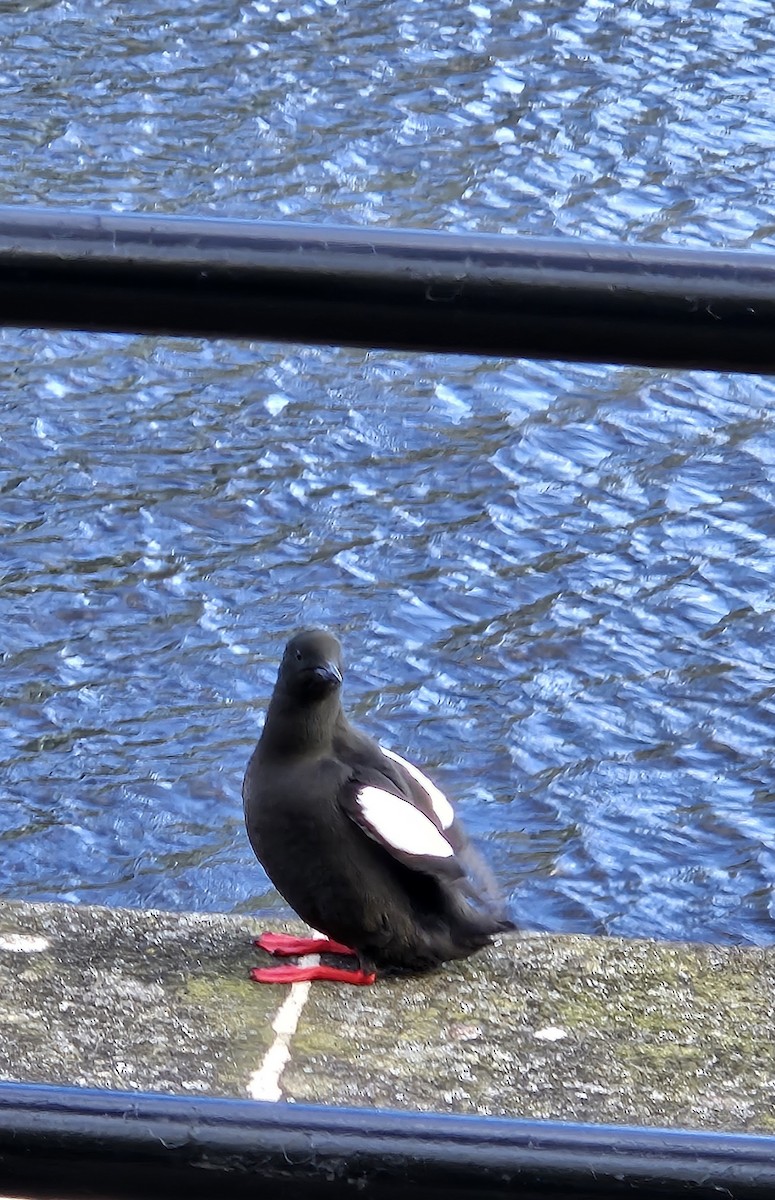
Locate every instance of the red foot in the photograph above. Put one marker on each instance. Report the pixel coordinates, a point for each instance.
(301, 974)
(284, 944)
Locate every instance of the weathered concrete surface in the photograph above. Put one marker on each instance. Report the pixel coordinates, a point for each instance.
(124, 999)
(574, 1028)
(540, 1026)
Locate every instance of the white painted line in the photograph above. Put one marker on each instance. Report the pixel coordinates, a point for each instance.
(27, 943)
(551, 1033)
(264, 1084)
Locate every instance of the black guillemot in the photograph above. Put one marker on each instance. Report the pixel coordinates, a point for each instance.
(359, 842)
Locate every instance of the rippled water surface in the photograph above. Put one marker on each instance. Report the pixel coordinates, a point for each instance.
(555, 583)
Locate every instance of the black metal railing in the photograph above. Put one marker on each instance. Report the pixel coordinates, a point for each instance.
(408, 290)
(397, 289)
(68, 1142)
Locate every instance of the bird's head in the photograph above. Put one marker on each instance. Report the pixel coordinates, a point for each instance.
(312, 666)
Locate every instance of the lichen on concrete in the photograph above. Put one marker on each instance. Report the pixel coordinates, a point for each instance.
(129, 999)
(587, 1029)
(575, 1028)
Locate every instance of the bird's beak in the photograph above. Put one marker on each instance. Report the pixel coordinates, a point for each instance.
(330, 672)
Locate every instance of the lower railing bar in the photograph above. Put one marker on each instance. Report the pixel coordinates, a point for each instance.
(68, 1142)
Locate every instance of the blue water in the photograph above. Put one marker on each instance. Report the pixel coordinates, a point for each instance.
(554, 583)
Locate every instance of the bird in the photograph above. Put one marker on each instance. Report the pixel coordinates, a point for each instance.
(359, 841)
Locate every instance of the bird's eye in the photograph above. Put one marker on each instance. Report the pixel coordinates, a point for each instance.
(298, 656)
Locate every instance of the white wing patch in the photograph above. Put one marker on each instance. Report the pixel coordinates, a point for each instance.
(439, 802)
(400, 824)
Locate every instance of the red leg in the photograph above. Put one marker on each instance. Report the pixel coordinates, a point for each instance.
(301, 974)
(283, 944)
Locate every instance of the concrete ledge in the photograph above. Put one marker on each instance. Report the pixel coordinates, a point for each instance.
(570, 1028)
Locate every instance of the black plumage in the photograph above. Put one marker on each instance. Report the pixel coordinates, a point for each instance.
(358, 841)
